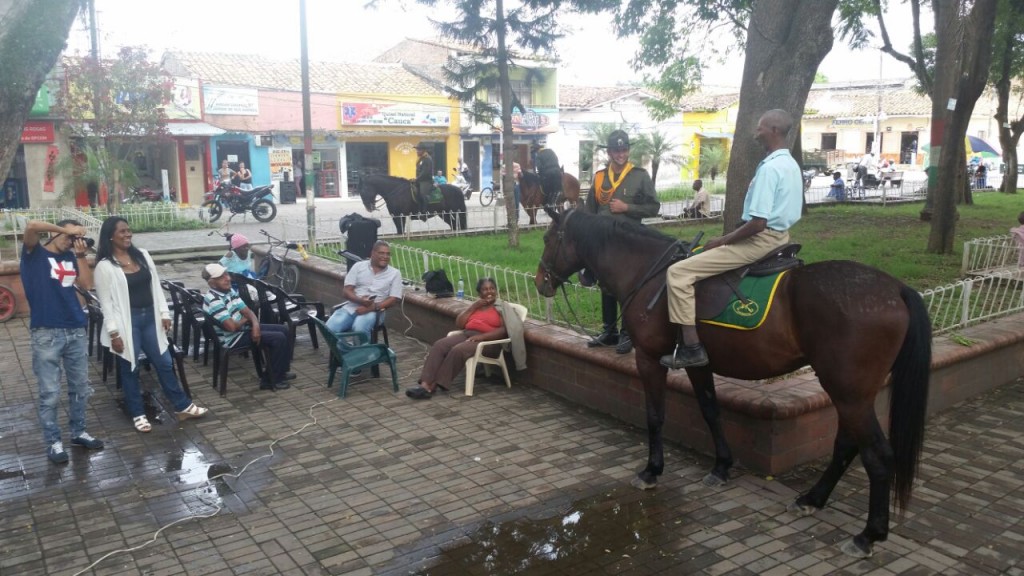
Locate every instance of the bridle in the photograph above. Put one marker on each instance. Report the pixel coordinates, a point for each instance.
(549, 272)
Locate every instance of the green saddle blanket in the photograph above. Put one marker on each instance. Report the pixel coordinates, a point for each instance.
(760, 292)
(435, 196)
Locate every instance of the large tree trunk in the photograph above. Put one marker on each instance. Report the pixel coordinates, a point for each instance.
(1009, 132)
(31, 39)
(786, 42)
(962, 61)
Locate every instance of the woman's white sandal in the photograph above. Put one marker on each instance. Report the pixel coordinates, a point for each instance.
(192, 411)
(142, 424)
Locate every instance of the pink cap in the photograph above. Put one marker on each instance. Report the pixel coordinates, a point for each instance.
(238, 240)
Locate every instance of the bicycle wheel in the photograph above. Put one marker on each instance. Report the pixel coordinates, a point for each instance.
(6, 303)
(486, 196)
(289, 277)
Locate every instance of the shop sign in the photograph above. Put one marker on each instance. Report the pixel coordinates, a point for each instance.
(184, 100)
(400, 114)
(37, 131)
(231, 100)
(41, 105)
(535, 120)
(280, 162)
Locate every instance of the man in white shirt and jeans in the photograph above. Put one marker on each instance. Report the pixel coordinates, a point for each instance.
(865, 166)
(371, 286)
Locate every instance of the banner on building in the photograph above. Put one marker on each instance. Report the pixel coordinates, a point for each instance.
(280, 162)
(50, 174)
(37, 132)
(184, 103)
(397, 114)
(535, 120)
(231, 100)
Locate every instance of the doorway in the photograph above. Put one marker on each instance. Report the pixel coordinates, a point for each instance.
(364, 159)
(195, 176)
(908, 147)
(234, 151)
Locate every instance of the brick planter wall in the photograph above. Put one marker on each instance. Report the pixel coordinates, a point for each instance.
(771, 426)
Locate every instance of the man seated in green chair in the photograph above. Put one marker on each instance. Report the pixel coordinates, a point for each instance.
(238, 326)
(371, 287)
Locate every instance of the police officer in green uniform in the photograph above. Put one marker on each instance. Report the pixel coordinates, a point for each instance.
(424, 175)
(622, 191)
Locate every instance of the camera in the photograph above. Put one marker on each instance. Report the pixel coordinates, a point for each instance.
(89, 242)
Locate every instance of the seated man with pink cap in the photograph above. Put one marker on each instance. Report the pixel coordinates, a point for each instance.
(239, 259)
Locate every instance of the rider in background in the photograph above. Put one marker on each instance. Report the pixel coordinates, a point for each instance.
(424, 174)
(546, 163)
(772, 205)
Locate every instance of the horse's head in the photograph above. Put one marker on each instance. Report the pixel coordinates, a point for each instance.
(559, 259)
(367, 194)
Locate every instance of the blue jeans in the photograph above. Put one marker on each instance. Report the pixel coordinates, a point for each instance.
(144, 340)
(345, 321)
(52, 347)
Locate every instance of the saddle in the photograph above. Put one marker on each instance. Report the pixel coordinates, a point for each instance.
(435, 197)
(716, 292)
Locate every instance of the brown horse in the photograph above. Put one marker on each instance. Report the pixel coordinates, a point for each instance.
(398, 197)
(532, 196)
(853, 324)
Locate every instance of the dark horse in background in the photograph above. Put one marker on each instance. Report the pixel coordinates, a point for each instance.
(532, 196)
(398, 197)
(853, 324)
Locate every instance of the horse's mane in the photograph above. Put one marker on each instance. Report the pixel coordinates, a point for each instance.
(530, 178)
(389, 178)
(595, 234)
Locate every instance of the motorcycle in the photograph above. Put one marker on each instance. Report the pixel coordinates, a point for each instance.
(146, 194)
(259, 201)
(808, 176)
(460, 182)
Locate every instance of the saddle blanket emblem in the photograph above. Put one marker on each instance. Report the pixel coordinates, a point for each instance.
(760, 293)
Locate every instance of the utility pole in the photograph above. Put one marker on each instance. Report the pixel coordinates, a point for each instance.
(307, 132)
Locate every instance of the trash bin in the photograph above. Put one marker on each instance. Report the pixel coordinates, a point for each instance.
(361, 234)
(288, 192)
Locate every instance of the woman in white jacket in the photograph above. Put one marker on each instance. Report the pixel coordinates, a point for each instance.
(135, 319)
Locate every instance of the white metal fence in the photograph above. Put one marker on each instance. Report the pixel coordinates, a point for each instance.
(968, 302)
(987, 255)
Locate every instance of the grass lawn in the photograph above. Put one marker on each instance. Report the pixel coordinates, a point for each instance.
(892, 238)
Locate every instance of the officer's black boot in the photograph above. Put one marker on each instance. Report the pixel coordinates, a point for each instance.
(689, 351)
(608, 337)
(625, 343)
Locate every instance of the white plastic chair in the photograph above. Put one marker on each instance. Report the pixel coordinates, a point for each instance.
(486, 360)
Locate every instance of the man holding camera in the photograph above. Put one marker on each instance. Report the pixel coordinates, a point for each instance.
(50, 272)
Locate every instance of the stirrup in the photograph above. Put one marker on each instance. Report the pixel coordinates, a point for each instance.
(685, 357)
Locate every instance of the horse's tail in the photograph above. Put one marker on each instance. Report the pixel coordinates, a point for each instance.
(908, 401)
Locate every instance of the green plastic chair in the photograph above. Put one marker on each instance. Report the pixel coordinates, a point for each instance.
(350, 351)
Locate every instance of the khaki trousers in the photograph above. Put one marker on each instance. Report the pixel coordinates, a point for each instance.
(682, 302)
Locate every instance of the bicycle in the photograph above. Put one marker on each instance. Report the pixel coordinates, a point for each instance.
(487, 195)
(277, 269)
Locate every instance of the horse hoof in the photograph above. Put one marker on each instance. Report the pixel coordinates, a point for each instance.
(713, 481)
(641, 484)
(801, 509)
(854, 550)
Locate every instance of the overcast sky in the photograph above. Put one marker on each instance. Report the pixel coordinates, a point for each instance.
(342, 30)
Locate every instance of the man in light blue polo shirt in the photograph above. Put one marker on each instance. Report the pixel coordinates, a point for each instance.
(773, 204)
(371, 287)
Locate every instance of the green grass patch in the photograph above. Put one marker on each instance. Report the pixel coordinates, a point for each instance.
(892, 238)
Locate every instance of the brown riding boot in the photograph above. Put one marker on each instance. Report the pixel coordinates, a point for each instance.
(689, 351)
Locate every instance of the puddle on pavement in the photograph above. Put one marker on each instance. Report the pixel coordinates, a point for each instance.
(193, 468)
(594, 531)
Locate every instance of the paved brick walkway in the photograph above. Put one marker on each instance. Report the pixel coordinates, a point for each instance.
(508, 481)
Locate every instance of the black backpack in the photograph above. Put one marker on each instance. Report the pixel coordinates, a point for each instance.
(437, 283)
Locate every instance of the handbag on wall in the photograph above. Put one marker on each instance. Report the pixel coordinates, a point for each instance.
(436, 282)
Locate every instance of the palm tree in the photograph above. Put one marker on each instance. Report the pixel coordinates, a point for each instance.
(714, 160)
(657, 149)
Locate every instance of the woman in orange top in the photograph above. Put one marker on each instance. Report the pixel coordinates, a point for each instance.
(480, 322)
